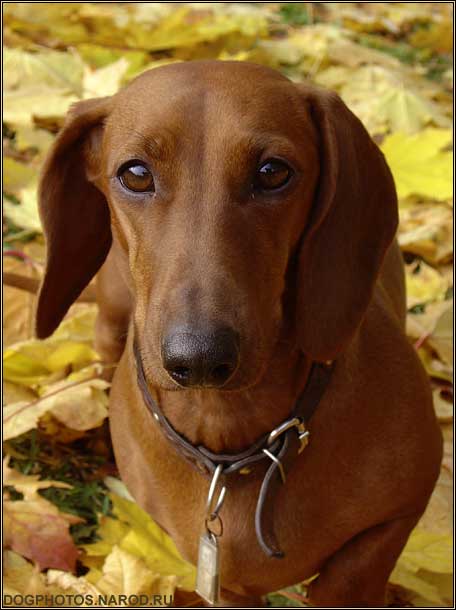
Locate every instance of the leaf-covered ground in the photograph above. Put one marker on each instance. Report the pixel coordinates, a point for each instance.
(70, 526)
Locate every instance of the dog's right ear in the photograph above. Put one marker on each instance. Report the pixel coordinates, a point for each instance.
(74, 213)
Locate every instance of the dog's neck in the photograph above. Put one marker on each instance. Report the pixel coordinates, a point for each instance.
(231, 421)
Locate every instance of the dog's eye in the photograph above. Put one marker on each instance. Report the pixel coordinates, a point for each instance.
(271, 175)
(136, 177)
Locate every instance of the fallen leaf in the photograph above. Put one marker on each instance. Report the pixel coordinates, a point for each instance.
(438, 517)
(72, 585)
(443, 408)
(419, 165)
(106, 80)
(421, 324)
(413, 581)
(424, 284)
(406, 111)
(427, 232)
(83, 407)
(28, 137)
(391, 100)
(25, 213)
(118, 487)
(27, 484)
(25, 106)
(438, 37)
(127, 574)
(38, 531)
(442, 583)
(424, 552)
(35, 363)
(435, 367)
(12, 392)
(46, 68)
(441, 338)
(18, 175)
(428, 551)
(136, 533)
(20, 577)
(78, 405)
(18, 305)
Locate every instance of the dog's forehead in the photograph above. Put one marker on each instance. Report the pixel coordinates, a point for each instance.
(186, 95)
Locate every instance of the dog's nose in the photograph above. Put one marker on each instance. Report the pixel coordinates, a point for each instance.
(195, 358)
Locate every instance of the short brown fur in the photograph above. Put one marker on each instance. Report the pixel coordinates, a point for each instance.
(310, 273)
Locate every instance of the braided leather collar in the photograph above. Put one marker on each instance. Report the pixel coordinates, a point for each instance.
(280, 451)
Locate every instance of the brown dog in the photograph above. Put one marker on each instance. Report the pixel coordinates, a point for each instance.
(246, 227)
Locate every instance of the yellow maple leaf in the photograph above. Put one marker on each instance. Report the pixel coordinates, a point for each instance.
(419, 165)
(388, 99)
(411, 580)
(136, 533)
(124, 573)
(425, 552)
(48, 68)
(428, 551)
(405, 110)
(36, 363)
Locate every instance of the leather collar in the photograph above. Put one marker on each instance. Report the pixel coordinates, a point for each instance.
(279, 448)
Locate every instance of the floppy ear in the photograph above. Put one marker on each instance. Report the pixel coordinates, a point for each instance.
(74, 214)
(353, 221)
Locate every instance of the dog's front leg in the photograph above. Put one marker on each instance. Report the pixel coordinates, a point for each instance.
(357, 574)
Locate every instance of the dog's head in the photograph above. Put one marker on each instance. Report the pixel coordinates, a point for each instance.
(247, 207)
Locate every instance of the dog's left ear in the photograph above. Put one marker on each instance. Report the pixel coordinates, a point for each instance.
(353, 221)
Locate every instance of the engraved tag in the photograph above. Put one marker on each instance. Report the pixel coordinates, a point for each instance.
(208, 569)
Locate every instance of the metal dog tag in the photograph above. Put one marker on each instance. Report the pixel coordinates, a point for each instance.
(208, 569)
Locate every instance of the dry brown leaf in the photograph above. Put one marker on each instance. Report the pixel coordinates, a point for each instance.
(37, 530)
(18, 305)
(427, 231)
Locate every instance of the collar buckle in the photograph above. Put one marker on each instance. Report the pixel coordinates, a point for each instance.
(294, 422)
